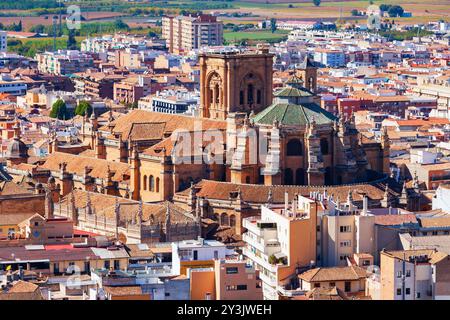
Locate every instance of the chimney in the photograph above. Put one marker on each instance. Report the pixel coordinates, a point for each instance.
(286, 201)
(365, 205)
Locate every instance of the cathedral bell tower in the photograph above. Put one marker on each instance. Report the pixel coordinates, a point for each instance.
(235, 82)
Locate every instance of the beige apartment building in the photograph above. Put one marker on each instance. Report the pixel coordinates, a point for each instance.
(280, 243)
(184, 33)
(414, 275)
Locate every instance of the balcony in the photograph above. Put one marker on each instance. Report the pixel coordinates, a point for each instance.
(259, 260)
(267, 247)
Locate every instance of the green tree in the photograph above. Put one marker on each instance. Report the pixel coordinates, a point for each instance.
(82, 108)
(59, 110)
(355, 12)
(316, 2)
(71, 41)
(39, 28)
(273, 25)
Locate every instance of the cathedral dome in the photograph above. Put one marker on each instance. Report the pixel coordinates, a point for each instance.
(294, 115)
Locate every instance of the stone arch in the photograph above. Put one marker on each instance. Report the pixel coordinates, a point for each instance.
(224, 221)
(157, 184)
(214, 87)
(294, 147)
(251, 91)
(144, 184)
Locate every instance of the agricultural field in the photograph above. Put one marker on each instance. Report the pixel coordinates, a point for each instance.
(422, 10)
(255, 36)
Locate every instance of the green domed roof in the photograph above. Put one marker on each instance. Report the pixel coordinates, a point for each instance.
(294, 115)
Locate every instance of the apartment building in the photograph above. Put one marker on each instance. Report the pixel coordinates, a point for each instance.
(3, 41)
(414, 275)
(227, 279)
(64, 62)
(330, 58)
(343, 230)
(96, 84)
(171, 101)
(184, 33)
(12, 86)
(281, 242)
(131, 89)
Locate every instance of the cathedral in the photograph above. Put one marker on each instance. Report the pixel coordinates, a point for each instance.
(296, 142)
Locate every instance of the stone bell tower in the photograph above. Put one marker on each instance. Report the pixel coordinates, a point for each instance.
(235, 82)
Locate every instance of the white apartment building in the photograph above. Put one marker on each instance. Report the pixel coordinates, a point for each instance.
(185, 33)
(3, 41)
(9, 85)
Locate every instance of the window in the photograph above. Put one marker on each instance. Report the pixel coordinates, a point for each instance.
(116, 265)
(332, 284)
(195, 255)
(36, 223)
(316, 285)
(344, 229)
(347, 286)
(399, 291)
(346, 243)
(288, 177)
(87, 266)
(294, 148)
(151, 183)
(167, 294)
(250, 94)
(343, 257)
(408, 273)
(107, 264)
(300, 176)
(145, 182)
(241, 97)
(232, 270)
(258, 96)
(407, 291)
(241, 287)
(157, 184)
(434, 233)
(56, 268)
(366, 263)
(399, 274)
(318, 228)
(232, 220)
(324, 146)
(418, 295)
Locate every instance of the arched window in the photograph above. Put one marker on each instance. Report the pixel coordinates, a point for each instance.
(328, 176)
(232, 220)
(145, 182)
(324, 146)
(224, 219)
(217, 217)
(294, 148)
(217, 94)
(288, 177)
(250, 94)
(300, 176)
(157, 184)
(151, 183)
(258, 96)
